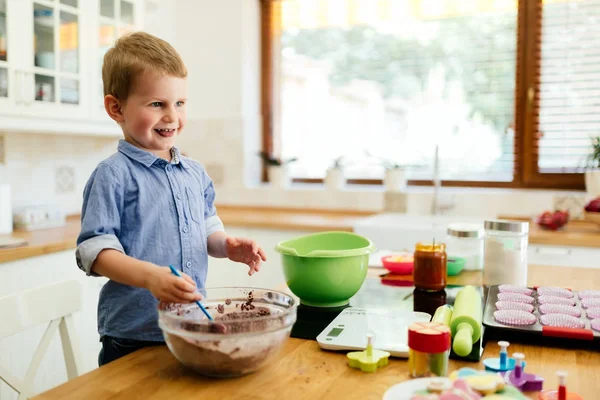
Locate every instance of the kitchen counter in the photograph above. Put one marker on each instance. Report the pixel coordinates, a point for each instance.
(303, 370)
(44, 241)
(57, 239)
(576, 233)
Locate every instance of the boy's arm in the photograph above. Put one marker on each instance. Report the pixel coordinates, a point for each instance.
(159, 281)
(221, 245)
(99, 251)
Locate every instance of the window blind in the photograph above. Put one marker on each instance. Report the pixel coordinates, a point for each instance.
(569, 92)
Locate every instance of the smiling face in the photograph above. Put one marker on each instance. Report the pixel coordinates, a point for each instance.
(154, 113)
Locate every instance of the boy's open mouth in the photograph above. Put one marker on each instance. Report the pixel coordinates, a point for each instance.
(164, 132)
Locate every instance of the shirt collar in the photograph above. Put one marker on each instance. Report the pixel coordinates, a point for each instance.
(146, 158)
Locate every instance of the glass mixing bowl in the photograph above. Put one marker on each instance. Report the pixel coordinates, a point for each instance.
(250, 325)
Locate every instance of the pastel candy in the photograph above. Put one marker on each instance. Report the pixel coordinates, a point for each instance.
(561, 320)
(515, 297)
(555, 291)
(513, 305)
(515, 289)
(550, 308)
(595, 324)
(556, 300)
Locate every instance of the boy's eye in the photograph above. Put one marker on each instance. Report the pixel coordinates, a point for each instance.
(156, 104)
(180, 103)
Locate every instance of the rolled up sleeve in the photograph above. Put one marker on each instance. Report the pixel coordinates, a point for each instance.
(100, 217)
(212, 221)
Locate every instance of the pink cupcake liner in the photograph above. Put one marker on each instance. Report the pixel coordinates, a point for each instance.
(515, 297)
(593, 312)
(554, 291)
(590, 302)
(515, 289)
(512, 305)
(514, 317)
(589, 294)
(544, 299)
(562, 321)
(550, 308)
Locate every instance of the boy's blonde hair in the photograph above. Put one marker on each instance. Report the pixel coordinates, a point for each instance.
(134, 54)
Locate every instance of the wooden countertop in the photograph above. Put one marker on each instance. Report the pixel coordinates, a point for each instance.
(576, 233)
(57, 239)
(44, 241)
(303, 370)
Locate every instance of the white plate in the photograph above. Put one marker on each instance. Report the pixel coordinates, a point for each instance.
(405, 390)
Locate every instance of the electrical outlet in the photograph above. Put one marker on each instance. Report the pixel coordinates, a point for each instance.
(65, 179)
(216, 173)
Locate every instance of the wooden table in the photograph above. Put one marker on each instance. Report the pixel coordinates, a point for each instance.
(302, 370)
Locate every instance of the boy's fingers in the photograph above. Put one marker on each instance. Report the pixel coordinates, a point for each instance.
(184, 285)
(188, 278)
(262, 254)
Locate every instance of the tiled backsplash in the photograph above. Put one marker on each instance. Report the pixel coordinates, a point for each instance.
(48, 169)
(54, 169)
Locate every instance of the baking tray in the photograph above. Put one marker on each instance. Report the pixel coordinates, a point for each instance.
(538, 333)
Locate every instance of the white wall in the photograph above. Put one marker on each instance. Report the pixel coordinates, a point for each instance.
(220, 43)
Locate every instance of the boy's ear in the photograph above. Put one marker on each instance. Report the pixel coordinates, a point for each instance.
(113, 108)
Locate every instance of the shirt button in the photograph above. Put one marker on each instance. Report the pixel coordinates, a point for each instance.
(188, 264)
(178, 196)
(185, 229)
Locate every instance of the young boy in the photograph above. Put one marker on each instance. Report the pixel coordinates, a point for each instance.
(147, 207)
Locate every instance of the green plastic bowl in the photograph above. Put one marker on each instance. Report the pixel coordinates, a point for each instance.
(455, 265)
(325, 269)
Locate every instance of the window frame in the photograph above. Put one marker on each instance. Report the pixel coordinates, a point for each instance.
(526, 173)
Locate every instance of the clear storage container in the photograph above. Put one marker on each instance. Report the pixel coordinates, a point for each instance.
(466, 241)
(505, 249)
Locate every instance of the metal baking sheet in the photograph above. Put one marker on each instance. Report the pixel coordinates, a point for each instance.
(530, 330)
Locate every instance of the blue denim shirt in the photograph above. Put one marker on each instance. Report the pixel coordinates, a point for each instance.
(154, 211)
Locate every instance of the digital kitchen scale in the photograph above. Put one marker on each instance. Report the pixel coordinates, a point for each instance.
(348, 331)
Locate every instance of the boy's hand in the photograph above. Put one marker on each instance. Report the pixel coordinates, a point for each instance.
(170, 288)
(245, 251)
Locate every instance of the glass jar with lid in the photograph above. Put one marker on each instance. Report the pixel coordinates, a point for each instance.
(505, 252)
(429, 266)
(465, 242)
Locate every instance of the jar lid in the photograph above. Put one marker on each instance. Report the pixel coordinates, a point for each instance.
(507, 226)
(430, 247)
(465, 230)
(429, 337)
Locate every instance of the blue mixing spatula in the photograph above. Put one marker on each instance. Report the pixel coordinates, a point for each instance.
(175, 272)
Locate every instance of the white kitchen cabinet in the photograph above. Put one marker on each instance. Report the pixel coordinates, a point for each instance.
(50, 59)
(16, 351)
(564, 256)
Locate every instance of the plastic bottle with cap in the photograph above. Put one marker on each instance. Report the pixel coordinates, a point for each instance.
(503, 362)
(429, 349)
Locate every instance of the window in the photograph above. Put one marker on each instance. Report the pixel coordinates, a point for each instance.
(505, 92)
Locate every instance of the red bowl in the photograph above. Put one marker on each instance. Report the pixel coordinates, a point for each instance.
(401, 264)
